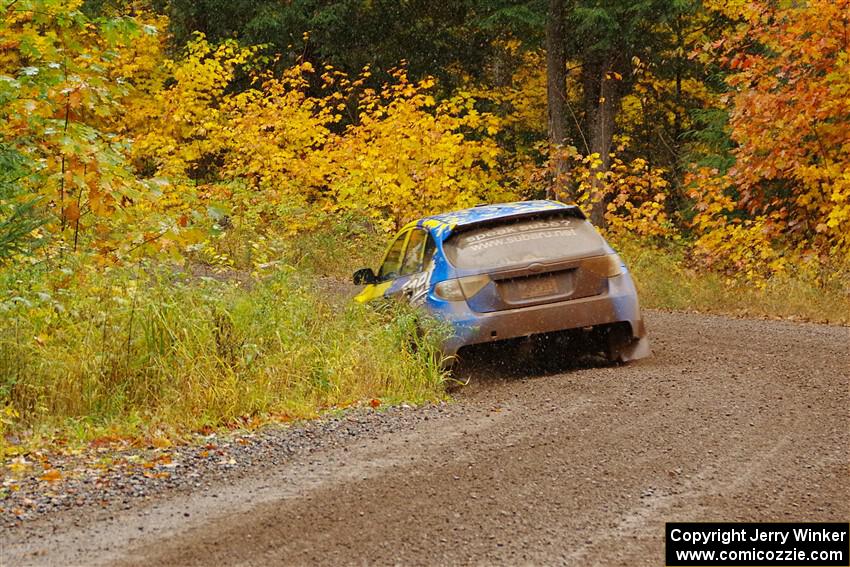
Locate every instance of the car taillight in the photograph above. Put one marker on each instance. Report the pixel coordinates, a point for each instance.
(462, 288)
(606, 266)
(449, 290)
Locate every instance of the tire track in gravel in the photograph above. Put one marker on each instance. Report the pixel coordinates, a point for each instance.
(731, 420)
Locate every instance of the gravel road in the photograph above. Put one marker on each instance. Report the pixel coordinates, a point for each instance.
(730, 420)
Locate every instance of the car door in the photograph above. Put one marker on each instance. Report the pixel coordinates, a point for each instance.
(411, 284)
(389, 271)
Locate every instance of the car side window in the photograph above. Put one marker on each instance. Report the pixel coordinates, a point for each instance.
(420, 250)
(391, 267)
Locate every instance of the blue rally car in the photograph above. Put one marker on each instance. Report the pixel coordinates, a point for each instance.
(513, 270)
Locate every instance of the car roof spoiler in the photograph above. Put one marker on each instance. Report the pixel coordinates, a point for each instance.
(571, 211)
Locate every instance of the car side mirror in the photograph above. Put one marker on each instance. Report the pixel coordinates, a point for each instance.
(364, 276)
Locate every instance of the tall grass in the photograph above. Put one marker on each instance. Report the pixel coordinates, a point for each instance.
(138, 351)
(334, 247)
(666, 281)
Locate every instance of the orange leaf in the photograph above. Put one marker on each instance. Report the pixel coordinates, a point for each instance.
(72, 212)
(163, 459)
(375, 403)
(104, 441)
(75, 97)
(52, 475)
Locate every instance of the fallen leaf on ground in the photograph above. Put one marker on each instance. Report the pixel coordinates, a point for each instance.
(19, 465)
(161, 442)
(51, 475)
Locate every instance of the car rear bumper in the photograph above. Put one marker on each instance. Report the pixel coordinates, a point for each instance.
(619, 304)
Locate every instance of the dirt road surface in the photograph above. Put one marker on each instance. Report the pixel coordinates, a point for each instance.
(582, 464)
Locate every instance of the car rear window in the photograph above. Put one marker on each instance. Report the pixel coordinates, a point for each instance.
(523, 242)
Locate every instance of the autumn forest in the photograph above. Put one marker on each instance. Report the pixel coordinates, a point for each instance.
(180, 180)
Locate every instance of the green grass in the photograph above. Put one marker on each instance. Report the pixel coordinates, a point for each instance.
(666, 281)
(334, 248)
(142, 352)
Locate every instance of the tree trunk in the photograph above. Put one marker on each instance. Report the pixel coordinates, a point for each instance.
(556, 96)
(601, 99)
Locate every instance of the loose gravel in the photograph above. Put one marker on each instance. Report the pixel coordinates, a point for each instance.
(573, 462)
(110, 478)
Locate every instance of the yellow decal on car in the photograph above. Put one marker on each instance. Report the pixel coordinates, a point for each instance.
(372, 292)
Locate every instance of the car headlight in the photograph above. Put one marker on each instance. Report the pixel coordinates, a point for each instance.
(606, 266)
(461, 288)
